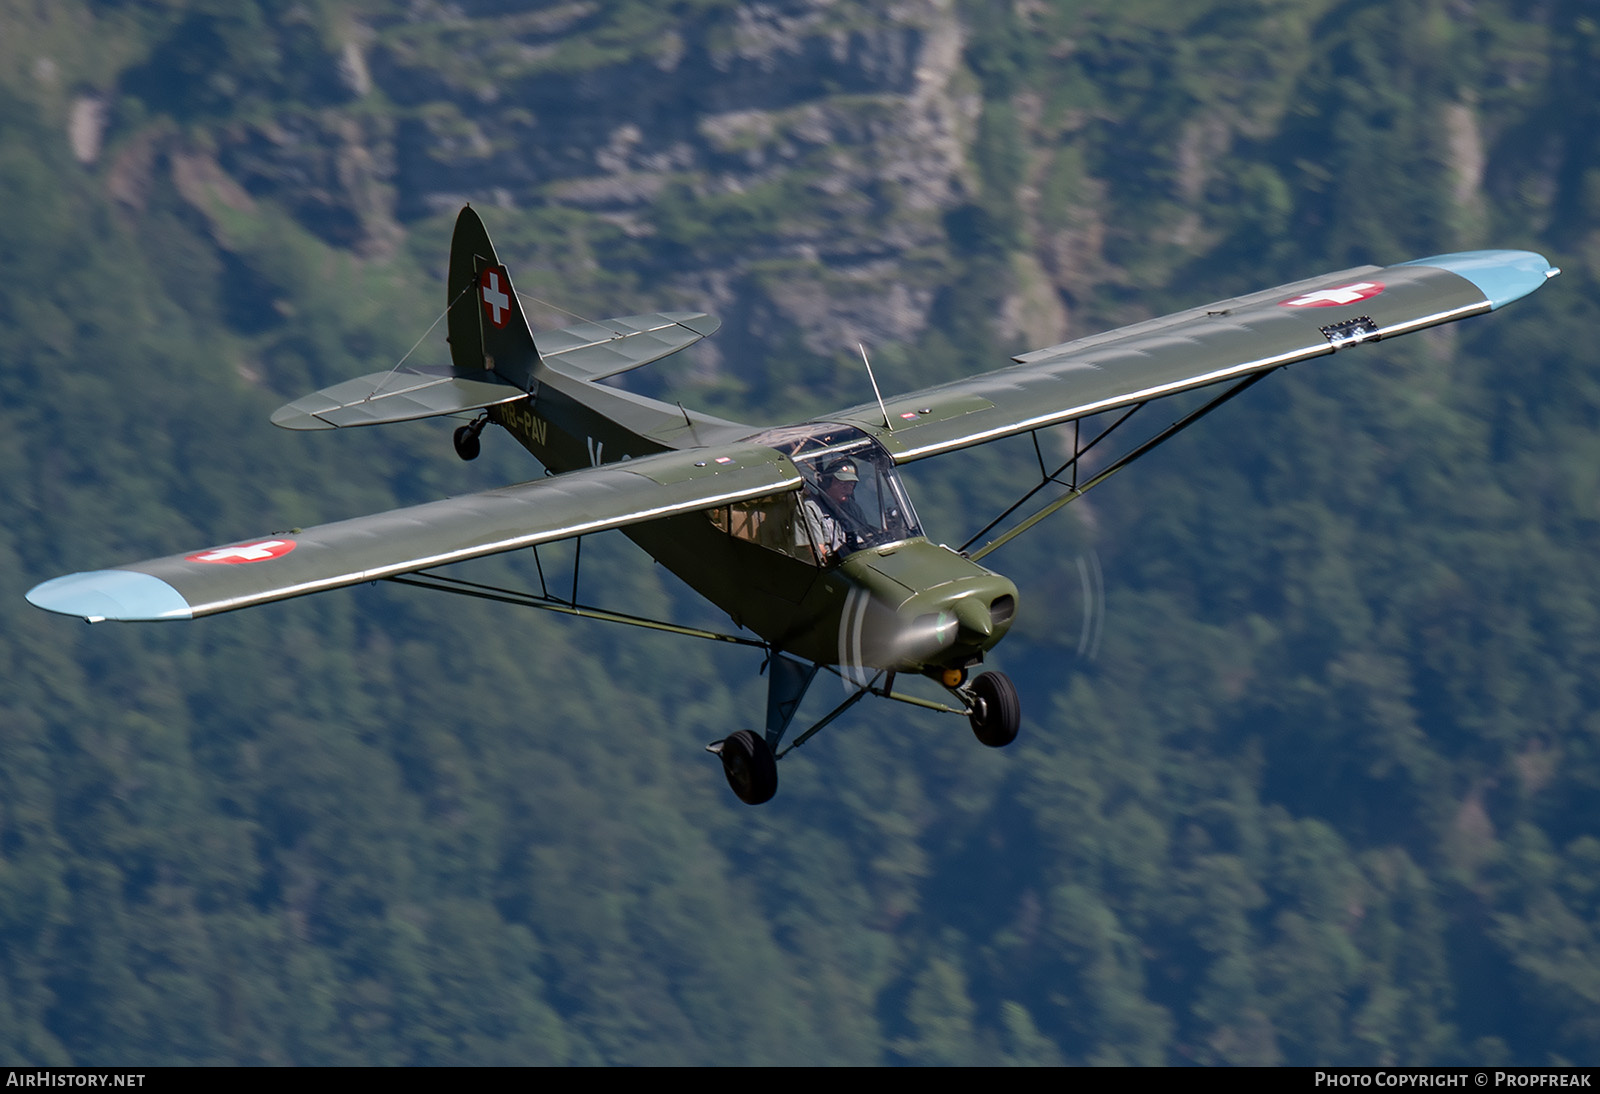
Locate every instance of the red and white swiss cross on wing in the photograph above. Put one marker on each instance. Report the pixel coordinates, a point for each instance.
(494, 288)
(1335, 297)
(259, 551)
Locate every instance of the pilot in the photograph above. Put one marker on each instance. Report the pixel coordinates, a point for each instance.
(832, 525)
(839, 483)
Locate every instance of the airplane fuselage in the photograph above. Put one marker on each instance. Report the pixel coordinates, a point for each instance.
(891, 599)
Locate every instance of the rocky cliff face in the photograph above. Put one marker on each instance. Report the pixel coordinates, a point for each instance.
(786, 164)
(794, 165)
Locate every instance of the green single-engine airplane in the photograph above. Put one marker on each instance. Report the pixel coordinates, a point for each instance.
(803, 534)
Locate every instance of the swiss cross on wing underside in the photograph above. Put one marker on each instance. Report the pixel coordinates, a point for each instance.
(1336, 296)
(493, 289)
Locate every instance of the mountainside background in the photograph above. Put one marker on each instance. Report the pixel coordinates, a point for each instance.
(1311, 740)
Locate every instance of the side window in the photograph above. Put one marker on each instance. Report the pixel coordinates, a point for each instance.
(774, 523)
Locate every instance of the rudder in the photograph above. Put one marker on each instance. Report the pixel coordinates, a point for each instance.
(487, 327)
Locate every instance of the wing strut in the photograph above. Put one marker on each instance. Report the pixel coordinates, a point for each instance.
(1047, 477)
(424, 579)
(1074, 490)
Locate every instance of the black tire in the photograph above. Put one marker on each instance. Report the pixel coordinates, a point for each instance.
(996, 711)
(747, 762)
(467, 444)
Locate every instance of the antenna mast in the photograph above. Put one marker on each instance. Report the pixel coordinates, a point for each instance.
(875, 390)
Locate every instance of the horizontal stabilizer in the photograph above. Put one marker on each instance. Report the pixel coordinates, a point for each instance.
(398, 396)
(593, 351)
(587, 351)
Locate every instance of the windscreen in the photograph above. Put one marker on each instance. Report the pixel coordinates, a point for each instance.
(852, 496)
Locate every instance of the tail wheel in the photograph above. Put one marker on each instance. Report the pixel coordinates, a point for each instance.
(749, 765)
(467, 443)
(996, 711)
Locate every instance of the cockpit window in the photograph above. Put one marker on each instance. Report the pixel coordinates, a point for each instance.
(852, 496)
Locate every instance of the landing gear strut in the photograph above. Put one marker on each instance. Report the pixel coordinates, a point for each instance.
(466, 439)
(750, 760)
(995, 711)
(749, 765)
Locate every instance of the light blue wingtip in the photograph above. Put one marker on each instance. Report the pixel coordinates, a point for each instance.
(1502, 276)
(110, 594)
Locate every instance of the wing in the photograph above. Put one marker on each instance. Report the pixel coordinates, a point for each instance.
(286, 564)
(588, 351)
(1191, 349)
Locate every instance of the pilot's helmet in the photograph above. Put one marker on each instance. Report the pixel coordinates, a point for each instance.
(842, 471)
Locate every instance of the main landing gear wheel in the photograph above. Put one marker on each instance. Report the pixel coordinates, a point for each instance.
(748, 762)
(466, 440)
(996, 711)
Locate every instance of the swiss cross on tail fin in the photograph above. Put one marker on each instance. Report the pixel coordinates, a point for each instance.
(487, 327)
(492, 290)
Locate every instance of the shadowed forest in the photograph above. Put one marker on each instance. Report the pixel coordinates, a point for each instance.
(1310, 757)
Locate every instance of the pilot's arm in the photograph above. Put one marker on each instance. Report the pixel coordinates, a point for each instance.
(823, 528)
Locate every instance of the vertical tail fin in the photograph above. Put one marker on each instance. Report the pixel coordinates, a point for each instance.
(487, 327)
